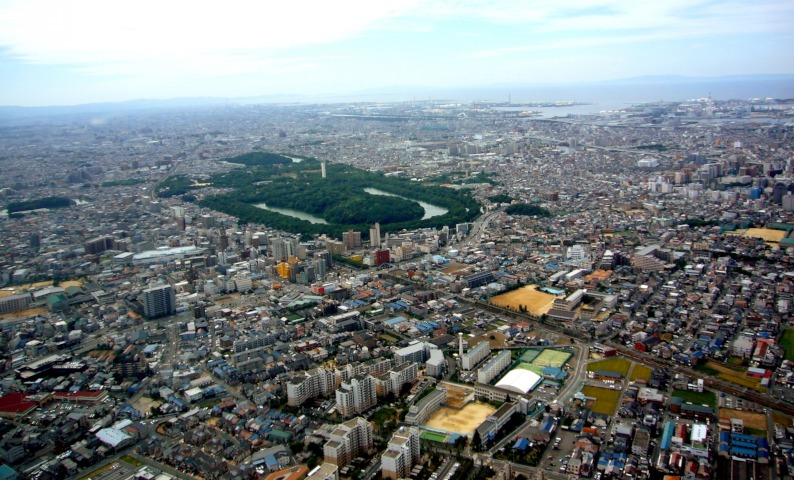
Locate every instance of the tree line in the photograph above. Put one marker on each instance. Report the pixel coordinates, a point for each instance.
(46, 202)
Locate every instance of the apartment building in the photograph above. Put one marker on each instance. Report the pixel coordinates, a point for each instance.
(159, 301)
(476, 355)
(401, 454)
(318, 382)
(348, 440)
(494, 367)
(357, 396)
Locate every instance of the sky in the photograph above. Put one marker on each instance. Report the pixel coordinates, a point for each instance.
(56, 52)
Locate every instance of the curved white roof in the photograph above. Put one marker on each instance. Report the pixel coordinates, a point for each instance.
(519, 380)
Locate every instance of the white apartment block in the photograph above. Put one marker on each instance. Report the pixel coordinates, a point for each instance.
(393, 380)
(307, 385)
(494, 367)
(476, 355)
(348, 440)
(357, 396)
(436, 364)
(743, 346)
(326, 471)
(417, 352)
(401, 454)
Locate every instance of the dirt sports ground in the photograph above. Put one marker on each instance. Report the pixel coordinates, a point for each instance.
(463, 421)
(537, 302)
(766, 234)
(457, 396)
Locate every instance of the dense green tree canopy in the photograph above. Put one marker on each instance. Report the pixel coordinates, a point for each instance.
(46, 202)
(340, 198)
(527, 210)
(501, 198)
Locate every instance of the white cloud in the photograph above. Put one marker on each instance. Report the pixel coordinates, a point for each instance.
(98, 31)
(271, 40)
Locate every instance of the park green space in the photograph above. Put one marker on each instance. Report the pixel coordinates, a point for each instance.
(340, 199)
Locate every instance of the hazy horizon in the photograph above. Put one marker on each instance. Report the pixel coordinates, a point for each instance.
(73, 53)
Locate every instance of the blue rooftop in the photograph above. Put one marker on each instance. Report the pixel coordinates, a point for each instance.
(394, 321)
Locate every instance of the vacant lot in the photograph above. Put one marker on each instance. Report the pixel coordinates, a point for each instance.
(641, 372)
(614, 364)
(737, 375)
(787, 342)
(454, 268)
(606, 399)
(756, 421)
(698, 398)
(30, 312)
(537, 302)
(463, 421)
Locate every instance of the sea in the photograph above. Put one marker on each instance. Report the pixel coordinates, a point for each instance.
(589, 98)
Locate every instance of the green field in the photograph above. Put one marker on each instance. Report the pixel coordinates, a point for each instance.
(737, 375)
(530, 355)
(606, 399)
(132, 461)
(387, 338)
(698, 398)
(787, 342)
(434, 436)
(614, 364)
(641, 372)
(552, 358)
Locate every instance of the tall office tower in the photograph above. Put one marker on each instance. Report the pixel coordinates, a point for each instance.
(322, 168)
(279, 249)
(159, 301)
(348, 441)
(351, 239)
(223, 241)
(326, 257)
(778, 192)
(401, 454)
(357, 396)
(320, 268)
(374, 235)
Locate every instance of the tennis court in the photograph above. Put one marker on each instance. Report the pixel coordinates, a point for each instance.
(552, 358)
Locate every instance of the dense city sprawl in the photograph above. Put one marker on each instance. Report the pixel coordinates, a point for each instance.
(620, 306)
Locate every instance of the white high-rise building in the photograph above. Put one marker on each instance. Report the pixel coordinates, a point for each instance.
(401, 454)
(307, 385)
(347, 441)
(357, 396)
(374, 235)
